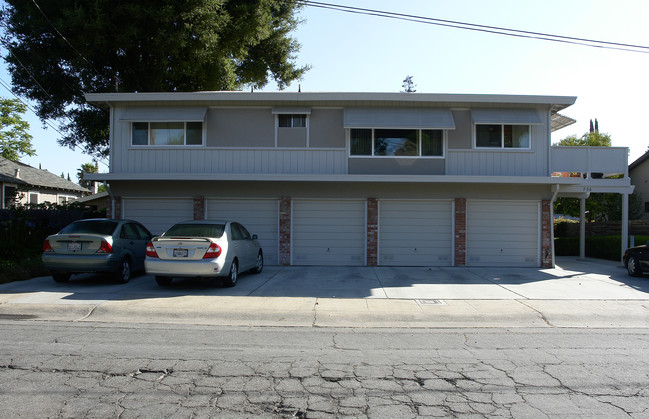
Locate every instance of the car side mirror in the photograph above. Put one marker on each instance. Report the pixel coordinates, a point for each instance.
(254, 237)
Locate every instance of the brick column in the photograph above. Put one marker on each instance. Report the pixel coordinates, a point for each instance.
(118, 207)
(285, 231)
(546, 236)
(460, 232)
(199, 208)
(372, 231)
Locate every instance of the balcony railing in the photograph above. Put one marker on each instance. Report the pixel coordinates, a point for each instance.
(591, 161)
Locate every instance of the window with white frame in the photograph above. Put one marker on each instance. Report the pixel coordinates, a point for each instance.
(33, 197)
(166, 133)
(291, 120)
(386, 142)
(502, 136)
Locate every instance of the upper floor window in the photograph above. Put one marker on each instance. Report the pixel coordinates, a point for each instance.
(396, 142)
(167, 133)
(291, 120)
(502, 136)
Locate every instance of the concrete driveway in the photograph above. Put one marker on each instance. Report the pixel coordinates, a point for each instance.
(570, 280)
(575, 294)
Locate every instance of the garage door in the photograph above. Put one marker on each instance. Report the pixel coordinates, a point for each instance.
(415, 233)
(503, 233)
(328, 233)
(158, 214)
(259, 216)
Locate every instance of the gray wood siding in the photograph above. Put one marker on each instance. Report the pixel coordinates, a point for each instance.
(208, 160)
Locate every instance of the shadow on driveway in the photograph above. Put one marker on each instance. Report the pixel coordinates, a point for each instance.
(571, 280)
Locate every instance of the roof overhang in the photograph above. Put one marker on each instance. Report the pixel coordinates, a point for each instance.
(556, 103)
(566, 185)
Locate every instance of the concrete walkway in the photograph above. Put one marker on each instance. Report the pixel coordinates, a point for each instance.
(591, 293)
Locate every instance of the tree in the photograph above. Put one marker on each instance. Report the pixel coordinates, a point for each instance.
(60, 49)
(15, 141)
(593, 139)
(409, 85)
(86, 168)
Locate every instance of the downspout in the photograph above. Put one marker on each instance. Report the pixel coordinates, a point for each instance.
(554, 198)
(112, 198)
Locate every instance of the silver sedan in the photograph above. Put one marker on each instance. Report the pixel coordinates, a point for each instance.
(203, 249)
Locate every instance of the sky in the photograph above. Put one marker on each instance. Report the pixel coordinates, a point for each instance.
(360, 53)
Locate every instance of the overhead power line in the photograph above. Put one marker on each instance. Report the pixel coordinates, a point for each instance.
(479, 28)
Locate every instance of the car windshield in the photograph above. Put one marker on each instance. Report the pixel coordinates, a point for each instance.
(196, 230)
(101, 227)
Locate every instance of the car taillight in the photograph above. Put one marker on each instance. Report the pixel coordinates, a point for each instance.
(150, 250)
(47, 248)
(105, 247)
(213, 252)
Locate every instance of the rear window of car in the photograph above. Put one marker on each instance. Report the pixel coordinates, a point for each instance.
(196, 230)
(101, 227)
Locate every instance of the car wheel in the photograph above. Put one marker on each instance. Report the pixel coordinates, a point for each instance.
(633, 266)
(163, 280)
(61, 276)
(231, 279)
(124, 274)
(260, 263)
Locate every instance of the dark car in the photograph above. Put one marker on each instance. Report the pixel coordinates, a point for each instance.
(636, 260)
(97, 245)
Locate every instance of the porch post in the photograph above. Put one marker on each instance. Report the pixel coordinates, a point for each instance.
(582, 228)
(625, 223)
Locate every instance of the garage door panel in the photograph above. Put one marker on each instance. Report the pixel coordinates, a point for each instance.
(503, 233)
(328, 232)
(259, 216)
(158, 214)
(415, 233)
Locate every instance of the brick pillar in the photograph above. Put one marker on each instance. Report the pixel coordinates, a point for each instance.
(372, 231)
(199, 208)
(460, 232)
(546, 236)
(117, 201)
(285, 231)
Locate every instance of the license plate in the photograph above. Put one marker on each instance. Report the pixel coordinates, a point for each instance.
(181, 253)
(74, 247)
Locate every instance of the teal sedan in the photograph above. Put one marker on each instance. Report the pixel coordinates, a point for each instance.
(100, 245)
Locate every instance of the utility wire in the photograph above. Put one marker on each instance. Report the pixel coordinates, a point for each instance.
(479, 28)
(8, 88)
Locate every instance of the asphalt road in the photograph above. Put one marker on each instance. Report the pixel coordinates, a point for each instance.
(85, 369)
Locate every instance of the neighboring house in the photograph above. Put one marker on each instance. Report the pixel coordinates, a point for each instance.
(639, 174)
(23, 184)
(96, 201)
(388, 179)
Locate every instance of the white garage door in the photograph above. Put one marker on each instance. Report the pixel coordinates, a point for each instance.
(328, 233)
(415, 233)
(504, 233)
(158, 214)
(259, 216)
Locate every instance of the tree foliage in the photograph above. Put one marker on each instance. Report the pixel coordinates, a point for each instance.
(592, 139)
(60, 49)
(408, 85)
(15, 140)
(86, 168)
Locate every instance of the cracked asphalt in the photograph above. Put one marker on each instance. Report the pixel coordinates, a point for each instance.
(97, 370)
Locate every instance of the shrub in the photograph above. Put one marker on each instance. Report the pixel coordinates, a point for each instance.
(23, 230)
(600, 247)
